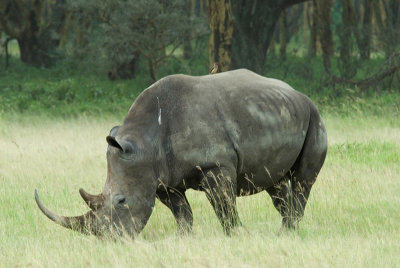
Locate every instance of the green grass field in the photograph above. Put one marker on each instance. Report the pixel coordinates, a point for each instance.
(352, 219)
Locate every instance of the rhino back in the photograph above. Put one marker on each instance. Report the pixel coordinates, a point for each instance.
(236, 118)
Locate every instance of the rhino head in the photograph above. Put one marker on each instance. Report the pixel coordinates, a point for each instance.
(128, 197)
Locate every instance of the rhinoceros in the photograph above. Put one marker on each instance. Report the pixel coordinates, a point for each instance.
(230, 134)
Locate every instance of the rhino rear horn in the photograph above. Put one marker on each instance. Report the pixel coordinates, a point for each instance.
(93, 201)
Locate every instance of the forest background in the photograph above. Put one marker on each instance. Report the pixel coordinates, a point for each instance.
(57, 56)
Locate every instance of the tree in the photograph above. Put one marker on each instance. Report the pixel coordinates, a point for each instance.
(311, 15)
(254, 27)
(282, 35)
(36, 25)
(152, 28)
(389, 35)
(221, 31)
(324, 29)
(347, 30)
(293, 21)
(187, 41)
(366, 37)
(358, 20)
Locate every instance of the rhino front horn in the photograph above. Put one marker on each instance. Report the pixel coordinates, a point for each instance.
(93, 201)
(80, 223)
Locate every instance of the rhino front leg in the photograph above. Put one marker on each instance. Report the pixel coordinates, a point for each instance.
(219, 184)
(177, 202)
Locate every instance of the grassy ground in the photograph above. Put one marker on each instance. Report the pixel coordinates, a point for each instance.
(352, 218)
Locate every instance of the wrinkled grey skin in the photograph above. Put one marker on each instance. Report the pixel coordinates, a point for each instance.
(229, 134)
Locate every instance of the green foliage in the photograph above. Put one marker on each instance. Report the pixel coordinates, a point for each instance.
(29, 90)
(308, 76)
(74, 87)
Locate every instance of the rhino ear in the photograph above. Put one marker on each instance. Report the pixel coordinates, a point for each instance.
(123, 145)
(114, 131)
(112, 141)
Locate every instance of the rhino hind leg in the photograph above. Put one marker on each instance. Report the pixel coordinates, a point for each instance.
(281, 194)
(289, 197)
(177, 202)
(291, 194)
(219, 184)
(305, 170)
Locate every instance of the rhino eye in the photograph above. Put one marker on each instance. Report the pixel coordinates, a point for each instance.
(119, 201)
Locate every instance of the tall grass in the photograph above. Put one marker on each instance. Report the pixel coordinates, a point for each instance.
(352, 218)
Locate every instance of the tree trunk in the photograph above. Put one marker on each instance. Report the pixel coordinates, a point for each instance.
(8, 39)
(152, 70)
(221, 30)
(304, 27)
(254, 26)
(365, 48)
(202, 7)
(187, 42)
(250, 43)
(312, 19)
(348, 28)
(324, 31)
(81, 33)
(66, 29)
(32, 52)
(271, 47)
(363, 25)
(390, 34)
(293, 22)
(345, 33)
(282, 35)
(125, 70)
